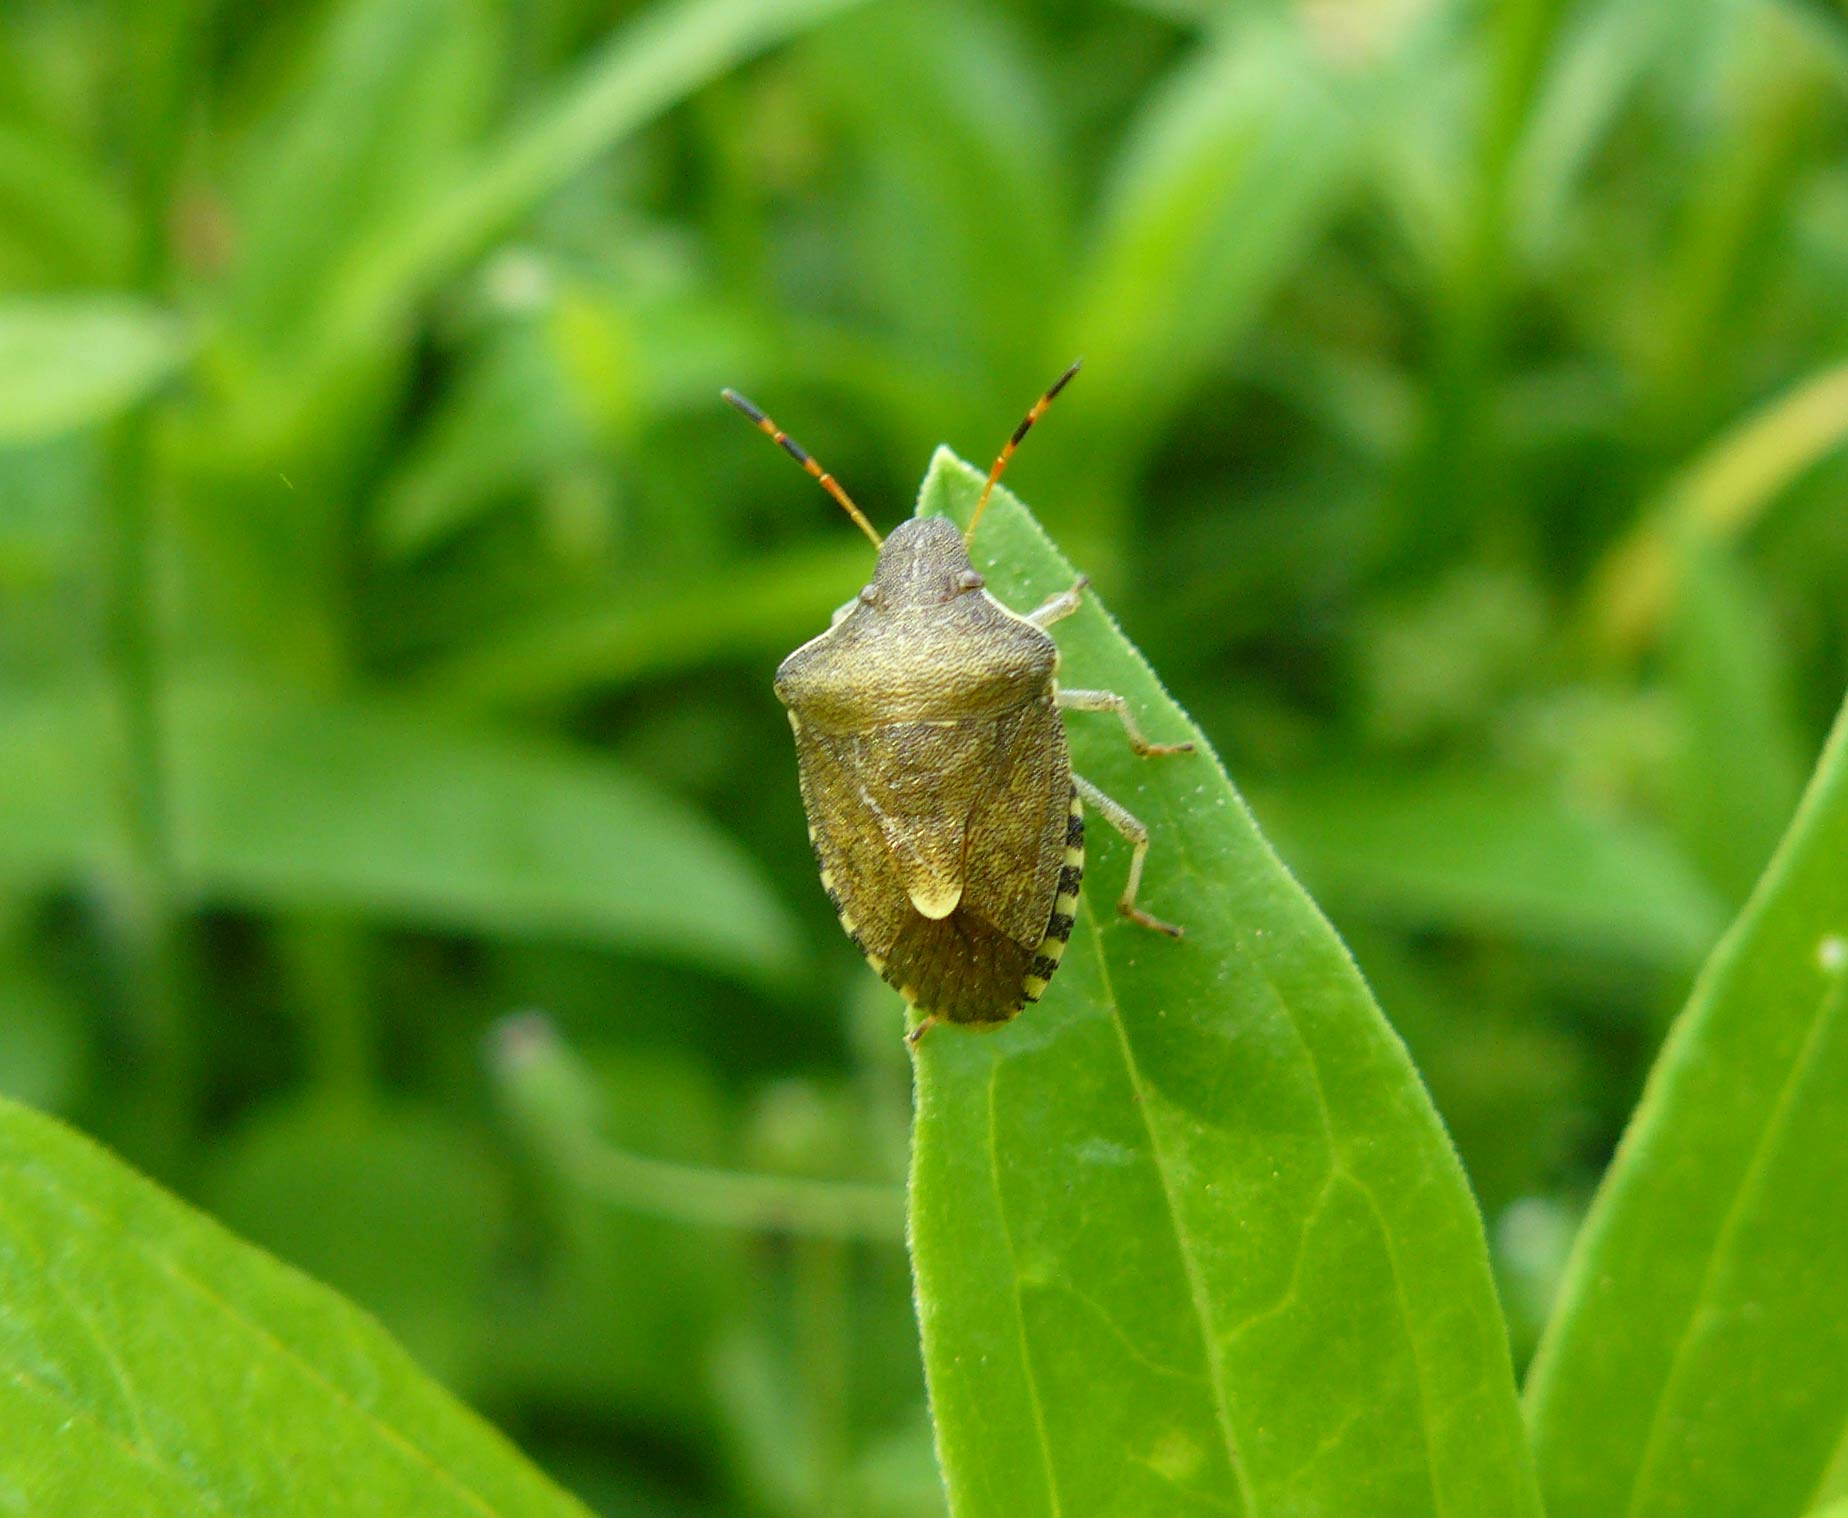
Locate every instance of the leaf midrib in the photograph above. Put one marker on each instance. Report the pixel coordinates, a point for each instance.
(1184, 865)
(1020, 1320)
(1339, 1170)
(1196, 1287)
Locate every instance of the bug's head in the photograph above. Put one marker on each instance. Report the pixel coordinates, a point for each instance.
(922, 563)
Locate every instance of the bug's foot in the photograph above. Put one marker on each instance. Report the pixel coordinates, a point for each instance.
(1147, 749)
(1135, 914)
(916, 1035)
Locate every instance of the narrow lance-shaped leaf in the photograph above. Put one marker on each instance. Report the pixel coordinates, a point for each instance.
(1490, 855)
(152, 1364)
(1722, 493)
(283, 801)
(1188, 1236)
(1698, 1359)
(1228, 171)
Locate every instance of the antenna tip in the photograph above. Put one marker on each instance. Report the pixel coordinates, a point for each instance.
(733, 399)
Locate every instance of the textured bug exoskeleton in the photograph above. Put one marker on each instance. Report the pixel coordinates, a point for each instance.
(941, 802)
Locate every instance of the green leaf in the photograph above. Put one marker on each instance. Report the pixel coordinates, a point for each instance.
(1698, 1359)
(951, 95)
(1188, 1235)
(764, 606)
(1488, 855)
(1600, 61)
(365, 805)
(55, 772)
(75, 361)
(281, 800)
(150, 1363)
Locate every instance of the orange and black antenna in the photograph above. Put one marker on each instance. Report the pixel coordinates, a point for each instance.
(800, 454)
(1007, 451)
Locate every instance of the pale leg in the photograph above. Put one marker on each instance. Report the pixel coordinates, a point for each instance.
(1110, 701)
(1062, 605)
(1126, 823)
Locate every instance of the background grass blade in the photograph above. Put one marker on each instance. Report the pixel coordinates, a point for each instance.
(1698, 1359)
(151, 1363)
(392, 811)
(284, 804)
(73, 362)
(1721, 494)
(1188, 1237)
(664, 54)
(1230, 171)
(1456, 851)
(761, 610)
(384, 108)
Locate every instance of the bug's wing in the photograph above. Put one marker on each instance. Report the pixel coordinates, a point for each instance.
(984, 961)
(917, 811)
(853, 816)
(1017, 831)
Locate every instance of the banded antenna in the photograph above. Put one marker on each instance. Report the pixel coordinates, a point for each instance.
(1007, 451)
(800, 454)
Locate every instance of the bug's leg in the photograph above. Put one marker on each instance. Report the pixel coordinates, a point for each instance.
(1110, 701)
(925, 1024)
(1062, 605)
(1132, 828)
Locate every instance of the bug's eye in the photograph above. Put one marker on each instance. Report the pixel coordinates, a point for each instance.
(969, 580)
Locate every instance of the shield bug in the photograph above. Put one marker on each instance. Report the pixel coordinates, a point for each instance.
(941, 802)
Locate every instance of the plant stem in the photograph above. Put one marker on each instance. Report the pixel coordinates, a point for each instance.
(552, 1096)
(328, 958)
(157, 93)
(738, 1199)
(151, 917)
(822, 1341)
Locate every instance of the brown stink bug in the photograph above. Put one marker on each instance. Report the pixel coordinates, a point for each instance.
(941, 802)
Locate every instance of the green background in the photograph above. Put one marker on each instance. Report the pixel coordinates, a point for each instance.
(387, 604)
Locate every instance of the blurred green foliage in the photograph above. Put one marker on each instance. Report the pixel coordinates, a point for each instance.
(387, 605)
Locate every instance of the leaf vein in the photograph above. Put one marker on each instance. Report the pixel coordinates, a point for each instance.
(1343, 1171)
(80, 1310)
(1196, 1286)
(268, 1341)
(1020, 1319)
(140, 1453)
